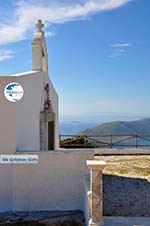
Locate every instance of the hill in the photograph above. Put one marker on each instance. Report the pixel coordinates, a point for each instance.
(120, 127)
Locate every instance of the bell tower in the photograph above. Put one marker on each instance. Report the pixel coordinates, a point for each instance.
(39, 51)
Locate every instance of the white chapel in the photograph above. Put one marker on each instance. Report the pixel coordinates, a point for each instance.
(56, 182)
(29, 121)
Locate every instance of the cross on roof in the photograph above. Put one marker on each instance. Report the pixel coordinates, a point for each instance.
(39, 25)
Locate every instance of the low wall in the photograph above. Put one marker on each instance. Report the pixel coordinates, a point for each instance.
(122, 151)
(55, 183)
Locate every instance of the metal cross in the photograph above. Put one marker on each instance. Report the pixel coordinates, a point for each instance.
(47, 90)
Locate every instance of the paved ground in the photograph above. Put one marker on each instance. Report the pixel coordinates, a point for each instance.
(41, 216)
(55, 216)
(126, 221)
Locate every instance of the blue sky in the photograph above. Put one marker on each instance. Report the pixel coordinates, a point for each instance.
(99, 53)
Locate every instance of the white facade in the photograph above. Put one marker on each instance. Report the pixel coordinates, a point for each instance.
(21, 121)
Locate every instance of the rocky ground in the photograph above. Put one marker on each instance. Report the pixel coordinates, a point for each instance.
(128, 166)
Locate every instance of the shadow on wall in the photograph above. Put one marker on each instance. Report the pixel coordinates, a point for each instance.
(124, 196)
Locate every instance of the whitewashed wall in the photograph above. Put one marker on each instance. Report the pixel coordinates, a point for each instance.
(19, 122)
(28, 110)
(7, 120)
(6, 184)
(55, 183)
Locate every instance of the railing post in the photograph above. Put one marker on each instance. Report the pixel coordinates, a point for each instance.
(84, 142)
(96, 192)
(136, 140)
(111, 141)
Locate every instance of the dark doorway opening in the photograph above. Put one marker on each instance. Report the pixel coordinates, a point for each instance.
(51, 135)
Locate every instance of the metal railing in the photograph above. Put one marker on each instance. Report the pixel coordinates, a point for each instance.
(105, 141)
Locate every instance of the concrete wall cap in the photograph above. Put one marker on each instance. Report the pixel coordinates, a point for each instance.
(96, 164)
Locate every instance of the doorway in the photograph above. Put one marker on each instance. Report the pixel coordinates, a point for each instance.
(51, 135)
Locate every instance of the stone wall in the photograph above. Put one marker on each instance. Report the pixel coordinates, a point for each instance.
(124, 196)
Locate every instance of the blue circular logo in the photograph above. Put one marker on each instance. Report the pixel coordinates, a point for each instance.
(13, 92)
